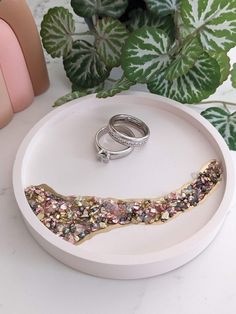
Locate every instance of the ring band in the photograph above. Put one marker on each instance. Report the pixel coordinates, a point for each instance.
(124, 119)
(105, 154)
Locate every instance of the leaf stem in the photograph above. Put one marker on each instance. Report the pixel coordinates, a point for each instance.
(177, 29)
(89, 22)
(226, 108)
(111, 80)
(224, 103)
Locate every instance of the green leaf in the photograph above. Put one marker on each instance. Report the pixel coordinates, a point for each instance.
(185, 30)
(214, 20)
(77, 93)
(200, 82)
(84, 66)
(90, 90)
(111, 36)
(162, 7)
(233, 76)
(68, 97)
(140, 18)
(145, 53)
(57, 29)
(119, 86)
(224, 122)
(224, 62)
(88, 8)
(185, 60)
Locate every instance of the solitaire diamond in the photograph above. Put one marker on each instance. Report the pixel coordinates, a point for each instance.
(103, 156)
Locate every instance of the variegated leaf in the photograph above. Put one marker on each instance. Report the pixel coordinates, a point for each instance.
(111, 36)
(77, 93)
(224, 122)
(88, 8)
(214, 20)
(200, 82)
(145, 54)
(185, 60)
(119, 86)
(56, 31)
(90, 90)
(68, 97)
(185, 30)
(233, 75)
(84, 66)
(224, 62)
(162, 7)
(140, 18)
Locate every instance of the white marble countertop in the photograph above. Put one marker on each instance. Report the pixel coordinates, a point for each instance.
(31, 281)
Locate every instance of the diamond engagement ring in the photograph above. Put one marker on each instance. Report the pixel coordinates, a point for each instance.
(122, 137)
(105, 154)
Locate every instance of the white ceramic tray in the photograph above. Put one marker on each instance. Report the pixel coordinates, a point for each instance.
(60, 151)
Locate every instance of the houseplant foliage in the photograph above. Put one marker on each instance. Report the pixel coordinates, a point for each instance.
(177, 47)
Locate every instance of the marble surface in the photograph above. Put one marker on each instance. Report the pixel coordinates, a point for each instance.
(31, 281)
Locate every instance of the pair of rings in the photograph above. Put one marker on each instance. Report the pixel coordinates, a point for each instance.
(119, 130)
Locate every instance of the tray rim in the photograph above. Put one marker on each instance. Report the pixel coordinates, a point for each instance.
(210, 228)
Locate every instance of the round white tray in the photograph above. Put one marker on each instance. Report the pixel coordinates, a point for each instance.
(59, 151)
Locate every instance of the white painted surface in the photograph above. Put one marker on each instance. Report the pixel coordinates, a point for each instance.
(31, 281)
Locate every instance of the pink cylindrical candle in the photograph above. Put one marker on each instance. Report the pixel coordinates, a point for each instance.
(17, 15)
(14, 69)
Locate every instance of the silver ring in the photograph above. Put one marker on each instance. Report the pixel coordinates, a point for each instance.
(124, 139)
(105, 154)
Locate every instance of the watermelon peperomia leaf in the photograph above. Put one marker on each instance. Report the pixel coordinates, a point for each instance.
(57, 29)
(121, 85)
(68, 97)
(198, 83)
(224, 122)
(111, 36)
(145, 54)
(83, 65)
(77, 93)
(224, 63)
(185, 60)
(140, 18)
(214, 21)
(162, 7)
(89, 90)
(88, 8)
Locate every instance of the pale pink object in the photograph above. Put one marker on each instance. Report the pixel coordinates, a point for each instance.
(136, 251)
(6, 110)
(14, 69)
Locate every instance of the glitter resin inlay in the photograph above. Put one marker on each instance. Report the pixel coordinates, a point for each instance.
(78, 218)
